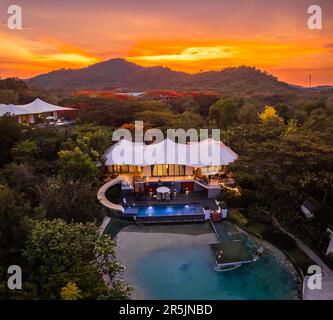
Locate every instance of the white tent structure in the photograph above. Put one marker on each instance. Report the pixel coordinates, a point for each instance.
(211, 153)
(28, 113)
(183, 165)
(11, 109)
(199, 154)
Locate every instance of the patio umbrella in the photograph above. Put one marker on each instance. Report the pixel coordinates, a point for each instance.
(163, 190)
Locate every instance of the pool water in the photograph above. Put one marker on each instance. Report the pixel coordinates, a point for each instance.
(164, 210)
(180, 272)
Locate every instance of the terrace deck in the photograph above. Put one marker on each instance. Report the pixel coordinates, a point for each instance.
(195, 197)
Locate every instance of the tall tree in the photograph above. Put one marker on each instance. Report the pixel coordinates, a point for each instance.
(61, 253)
(10, 133)
(270, 116)
(76, 165)
(70, 200)
(13, 207)
(224, 112)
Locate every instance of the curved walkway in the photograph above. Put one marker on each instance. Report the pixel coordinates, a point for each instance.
(326, 292)
(104, 201)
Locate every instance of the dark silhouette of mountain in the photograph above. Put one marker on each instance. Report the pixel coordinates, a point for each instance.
(127, 76)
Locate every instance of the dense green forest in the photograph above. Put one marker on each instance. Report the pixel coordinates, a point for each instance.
(49, 178)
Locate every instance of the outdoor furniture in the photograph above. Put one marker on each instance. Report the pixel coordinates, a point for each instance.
(163, 192)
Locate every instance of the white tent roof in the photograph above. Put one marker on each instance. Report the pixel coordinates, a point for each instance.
(200, 154)
(217, 151)
(37, 106)
(11, 109)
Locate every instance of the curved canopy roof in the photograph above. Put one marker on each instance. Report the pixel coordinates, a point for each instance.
(199, 154)
(35, 107)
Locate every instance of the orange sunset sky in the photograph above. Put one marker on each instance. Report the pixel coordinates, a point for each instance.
(184, 35)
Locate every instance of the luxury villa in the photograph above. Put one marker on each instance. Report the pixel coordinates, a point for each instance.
(168, 174)
(36, 112)
(184, 168)
(165, 171)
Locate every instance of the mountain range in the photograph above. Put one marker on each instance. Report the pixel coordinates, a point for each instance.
(120, 74)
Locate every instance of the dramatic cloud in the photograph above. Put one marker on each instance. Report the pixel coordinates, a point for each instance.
(189, 35)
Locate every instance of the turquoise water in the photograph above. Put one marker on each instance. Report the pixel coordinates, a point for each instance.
(164, 210)
(188, 273)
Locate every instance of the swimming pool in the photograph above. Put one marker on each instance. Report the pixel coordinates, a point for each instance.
(174, 262)
(187, 272)
(164, 210)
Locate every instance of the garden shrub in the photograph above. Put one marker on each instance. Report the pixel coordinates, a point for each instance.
(238, 218)
(255, 215)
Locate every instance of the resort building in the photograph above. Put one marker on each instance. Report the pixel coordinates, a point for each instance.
(35, 112)
(182, 168)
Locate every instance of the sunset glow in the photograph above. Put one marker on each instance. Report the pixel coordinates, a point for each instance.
(189, 36)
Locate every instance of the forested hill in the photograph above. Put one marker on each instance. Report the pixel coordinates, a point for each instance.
(124, 75)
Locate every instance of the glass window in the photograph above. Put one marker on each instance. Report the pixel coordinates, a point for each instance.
(25, 118)
(125, 169)
(211, 170)
(161, 170)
